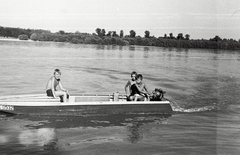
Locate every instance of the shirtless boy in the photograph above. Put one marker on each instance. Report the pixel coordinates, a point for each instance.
(52, 85)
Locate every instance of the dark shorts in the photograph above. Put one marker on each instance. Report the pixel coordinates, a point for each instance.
(49, 93)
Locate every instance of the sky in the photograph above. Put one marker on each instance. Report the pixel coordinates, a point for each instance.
(198, 18)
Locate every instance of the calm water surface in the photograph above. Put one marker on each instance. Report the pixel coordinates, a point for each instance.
(204, 86)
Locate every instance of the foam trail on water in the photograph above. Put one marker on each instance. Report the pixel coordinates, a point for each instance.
(190, 110)
(177, 108)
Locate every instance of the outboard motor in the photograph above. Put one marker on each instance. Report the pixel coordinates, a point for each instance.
(157, 95)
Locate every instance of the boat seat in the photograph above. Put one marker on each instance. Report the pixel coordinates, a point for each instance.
(50, 99)
(45, 99)
(91, 98)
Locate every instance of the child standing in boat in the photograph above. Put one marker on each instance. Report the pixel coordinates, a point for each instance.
(52, 85)
(129, 84)
(139, 90)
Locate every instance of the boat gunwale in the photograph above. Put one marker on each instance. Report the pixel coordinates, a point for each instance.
(37, 100)
(44, 95)
(83, 103)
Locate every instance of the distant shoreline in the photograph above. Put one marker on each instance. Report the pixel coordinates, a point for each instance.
(112, 38)
(13, 39)
(9, 39)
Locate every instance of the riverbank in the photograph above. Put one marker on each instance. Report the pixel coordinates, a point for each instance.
(9, 39)
(80, 38)
(12, 39)
(100, 37)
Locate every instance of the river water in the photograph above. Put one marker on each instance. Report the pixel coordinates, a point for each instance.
(203, 85)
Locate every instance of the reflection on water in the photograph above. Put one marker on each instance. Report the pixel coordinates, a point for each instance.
(16, 137)
(120, 48)
(93, 120)
(131, 48)
(135, 133)
(40, 133)
(145, 49)
(100, 47)
(38, 137)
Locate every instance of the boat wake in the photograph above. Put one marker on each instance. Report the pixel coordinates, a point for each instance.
(177, 108)
(192, 110)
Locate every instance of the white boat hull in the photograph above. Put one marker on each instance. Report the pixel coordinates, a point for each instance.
(80, 105)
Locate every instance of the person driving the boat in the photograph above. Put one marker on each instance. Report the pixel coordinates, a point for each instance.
(139, 91)
(129, 84)
(52, 85)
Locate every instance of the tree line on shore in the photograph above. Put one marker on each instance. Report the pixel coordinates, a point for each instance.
(112, 38)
